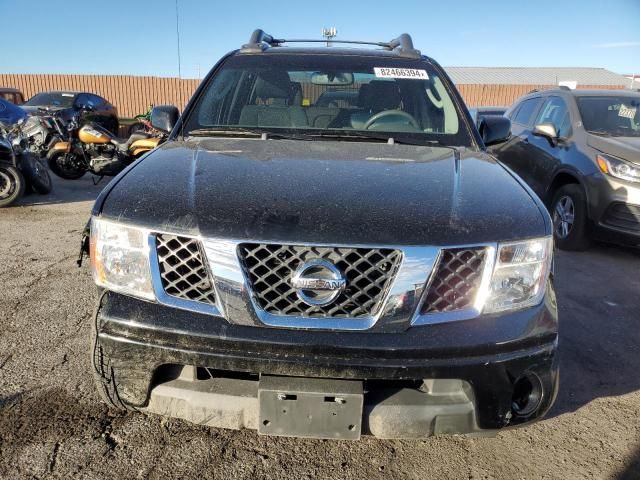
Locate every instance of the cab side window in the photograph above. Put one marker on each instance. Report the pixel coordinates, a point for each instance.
(555, 112)
(525, 111)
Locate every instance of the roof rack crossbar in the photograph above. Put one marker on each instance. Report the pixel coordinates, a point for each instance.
(333, 40)
(260, 40)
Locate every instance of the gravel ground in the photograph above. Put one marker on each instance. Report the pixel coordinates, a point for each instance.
(52, 424)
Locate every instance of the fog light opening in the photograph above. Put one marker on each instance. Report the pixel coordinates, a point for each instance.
(527, 395)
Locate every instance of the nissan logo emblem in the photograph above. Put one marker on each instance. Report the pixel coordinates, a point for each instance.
(318, 282)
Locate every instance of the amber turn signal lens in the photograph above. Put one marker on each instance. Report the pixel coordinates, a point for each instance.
(602, 163)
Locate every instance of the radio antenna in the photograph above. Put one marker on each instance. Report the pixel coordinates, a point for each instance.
(329, 34)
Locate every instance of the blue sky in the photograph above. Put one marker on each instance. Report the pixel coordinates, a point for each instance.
(139, 37)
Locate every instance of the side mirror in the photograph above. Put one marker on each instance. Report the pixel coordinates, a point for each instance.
(164, 117)
(547, 130)
(494, 129)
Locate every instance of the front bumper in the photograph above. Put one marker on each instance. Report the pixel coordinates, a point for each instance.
(468, 369)
(614, 207)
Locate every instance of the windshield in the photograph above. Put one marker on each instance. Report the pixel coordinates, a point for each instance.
(51, 99)
(329, 95)
(608, 115)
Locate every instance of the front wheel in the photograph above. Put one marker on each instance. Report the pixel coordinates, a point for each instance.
(37, 174)
(103, 374)
(65, 165)
(570, 222)
(12, 185)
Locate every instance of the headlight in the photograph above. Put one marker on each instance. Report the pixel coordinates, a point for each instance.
(519, 275)
(618, 168)
(120, 258)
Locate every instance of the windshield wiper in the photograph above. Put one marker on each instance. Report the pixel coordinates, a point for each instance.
(221, 132)
(601, 133)
(355, 137)
(247, 133)
(390, 139)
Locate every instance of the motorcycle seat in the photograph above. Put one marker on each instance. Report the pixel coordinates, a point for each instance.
(125, 143)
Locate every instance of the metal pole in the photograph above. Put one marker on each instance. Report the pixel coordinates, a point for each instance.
(178, 37)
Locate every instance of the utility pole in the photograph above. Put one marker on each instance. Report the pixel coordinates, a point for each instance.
(178, 37)
(329, 34)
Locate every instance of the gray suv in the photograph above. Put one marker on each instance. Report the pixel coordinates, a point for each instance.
(580, 152)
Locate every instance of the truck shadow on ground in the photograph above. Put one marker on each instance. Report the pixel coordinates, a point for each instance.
(47, 415)
(632, 471)
(599, 309)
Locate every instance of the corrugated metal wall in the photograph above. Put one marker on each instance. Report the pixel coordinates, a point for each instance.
(504, 95)
(132, 95)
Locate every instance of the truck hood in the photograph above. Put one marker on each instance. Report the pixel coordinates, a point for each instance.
(324, 192)
(627, 148)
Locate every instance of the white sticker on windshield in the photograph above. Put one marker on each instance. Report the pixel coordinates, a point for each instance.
(67, 94)
(411, 73)
(627, 112)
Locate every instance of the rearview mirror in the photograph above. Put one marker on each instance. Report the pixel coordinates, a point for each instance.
(332, 78)
(547, 130)
(494, 129)
(164, 117)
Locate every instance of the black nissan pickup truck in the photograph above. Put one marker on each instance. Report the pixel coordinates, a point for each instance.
(358, 265)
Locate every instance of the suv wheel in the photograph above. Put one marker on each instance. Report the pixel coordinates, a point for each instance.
(569, 214)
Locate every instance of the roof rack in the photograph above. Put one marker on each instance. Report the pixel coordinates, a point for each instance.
(260, 41)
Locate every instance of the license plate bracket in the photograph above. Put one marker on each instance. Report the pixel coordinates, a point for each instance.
(310, 407)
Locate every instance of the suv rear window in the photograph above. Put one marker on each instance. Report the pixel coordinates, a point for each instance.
(315, 93)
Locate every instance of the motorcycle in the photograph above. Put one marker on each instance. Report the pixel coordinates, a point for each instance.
(43, 131)
(27, 163)
(16, 163)
(92, 148)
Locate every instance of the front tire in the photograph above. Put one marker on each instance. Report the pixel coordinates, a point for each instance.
(63, 167)
(37, 174)
(570, 221)
(12, 185)
(103, 374)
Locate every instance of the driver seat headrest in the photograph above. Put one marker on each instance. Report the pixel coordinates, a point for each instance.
(274, 84)
(379, 95)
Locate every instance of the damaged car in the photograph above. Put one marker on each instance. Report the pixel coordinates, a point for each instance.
(325, 269)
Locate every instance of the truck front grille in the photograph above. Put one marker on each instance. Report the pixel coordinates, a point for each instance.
(182, 269)
(369, 273)
(455, 281)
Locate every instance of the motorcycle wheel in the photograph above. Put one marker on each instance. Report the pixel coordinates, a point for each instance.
(60, 165)
(37, 174)
(12, 185)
